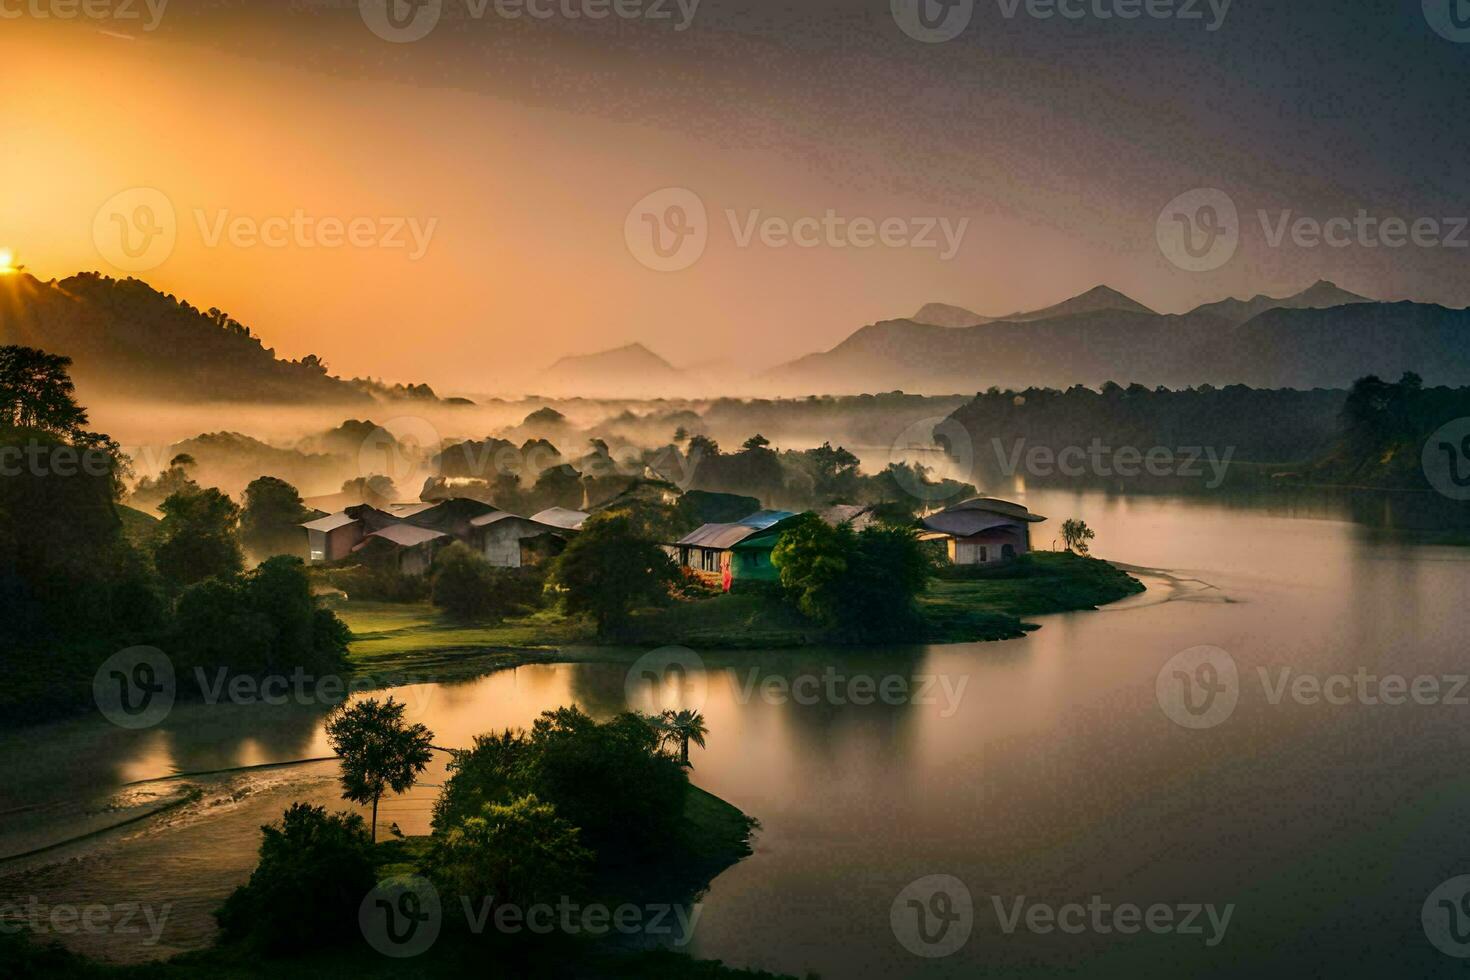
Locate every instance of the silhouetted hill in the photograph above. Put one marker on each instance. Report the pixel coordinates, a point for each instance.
(1308, 348)
(1279, 347)
(1320, 295)
(1094, 300)
(126, 339)
(632, 369)
(945, 315)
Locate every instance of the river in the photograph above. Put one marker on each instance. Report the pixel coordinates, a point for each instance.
(1043, 772)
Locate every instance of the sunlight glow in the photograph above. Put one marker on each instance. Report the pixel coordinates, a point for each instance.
(7, 261)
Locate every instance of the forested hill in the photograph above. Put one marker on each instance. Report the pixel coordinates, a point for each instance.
(126, 339)
(1025, 433)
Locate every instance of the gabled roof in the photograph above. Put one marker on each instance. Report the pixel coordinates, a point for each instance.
(331, 522)
(858, 515)
(766, 537)
(979, 514)
(490, 518)
(763, 519)
(408, 510)
(993, 505)
(717, 536)
(561, 517)
(406, 535)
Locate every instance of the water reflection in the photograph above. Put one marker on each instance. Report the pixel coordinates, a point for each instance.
(1055, 775)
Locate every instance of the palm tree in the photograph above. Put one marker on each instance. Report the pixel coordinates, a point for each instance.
(684, 727)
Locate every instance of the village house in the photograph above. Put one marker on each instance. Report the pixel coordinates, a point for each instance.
(409, 535)
(982, 530)
(707, 549)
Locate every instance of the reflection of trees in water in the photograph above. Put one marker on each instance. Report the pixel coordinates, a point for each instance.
(205, 737)
(600, 688)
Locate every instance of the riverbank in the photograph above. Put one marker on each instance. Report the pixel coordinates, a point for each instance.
(394, 643)
(964, 605)
(713, 835)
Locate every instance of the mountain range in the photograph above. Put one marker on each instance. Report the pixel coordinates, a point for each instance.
(1323, 336)
(127, 340)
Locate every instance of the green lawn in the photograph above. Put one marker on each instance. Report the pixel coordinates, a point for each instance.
(966, 605)
(415, 638)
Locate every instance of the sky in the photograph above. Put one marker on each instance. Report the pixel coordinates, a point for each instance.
(464, 208)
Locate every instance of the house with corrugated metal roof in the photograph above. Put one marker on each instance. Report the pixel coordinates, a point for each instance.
(707, 549)
(410, 549)
(982, 530)
(409, 535)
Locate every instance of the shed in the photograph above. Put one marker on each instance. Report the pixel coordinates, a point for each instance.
(413, 547)
(510, 541)
(332, 537)
(982, 530)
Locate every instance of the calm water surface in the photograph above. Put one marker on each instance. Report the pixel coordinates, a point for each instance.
(1044, 768)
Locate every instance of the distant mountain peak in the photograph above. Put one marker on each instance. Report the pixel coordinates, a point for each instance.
(1321, 295)
(1094, 300)
(947, 315)
(631, 355)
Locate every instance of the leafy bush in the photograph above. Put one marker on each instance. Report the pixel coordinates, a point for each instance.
(263, 622)
(609, 779)
(466, 586)
(520, 852)
(608, 569)
(862, 585)
(314, 870)
(374, 583)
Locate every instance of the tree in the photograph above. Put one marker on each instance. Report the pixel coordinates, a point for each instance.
(520, 852)
(463, 584)
(263, 622)
(610, 779)
(1076, 534)
(683, 727)
(270, 523)
(314, 870)
(379, 750)
(375, 489)
(197, 538)
(36, 391)
(812, 557)
(607, 570)
(755, 442)
(703, 446)
(863, 585)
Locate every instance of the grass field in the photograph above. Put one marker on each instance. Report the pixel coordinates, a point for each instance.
(963, 606)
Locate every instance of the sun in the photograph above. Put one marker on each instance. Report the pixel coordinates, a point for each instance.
(7, 261)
